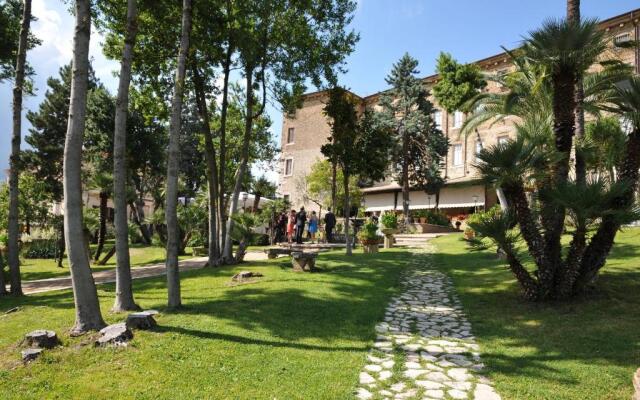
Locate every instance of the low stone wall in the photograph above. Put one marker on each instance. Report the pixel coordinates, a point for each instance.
(429, 228)
(636, 385)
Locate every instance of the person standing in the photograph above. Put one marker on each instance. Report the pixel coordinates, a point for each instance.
(301, 220)
(291, 226)
(313, 226)
(330, 223)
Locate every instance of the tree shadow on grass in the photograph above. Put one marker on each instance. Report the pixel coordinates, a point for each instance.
(533, 339)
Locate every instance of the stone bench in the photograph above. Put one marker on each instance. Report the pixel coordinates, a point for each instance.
(274, 252)
(303, 261)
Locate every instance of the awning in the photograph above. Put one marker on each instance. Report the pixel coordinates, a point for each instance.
(450, 197)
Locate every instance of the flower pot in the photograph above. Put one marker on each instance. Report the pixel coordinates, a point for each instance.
(370, 248)
(423, 220)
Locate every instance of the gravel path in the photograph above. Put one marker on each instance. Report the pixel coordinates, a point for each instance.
(425, 348)
(108, 276)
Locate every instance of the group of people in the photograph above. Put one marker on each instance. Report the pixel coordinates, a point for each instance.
(295, 222)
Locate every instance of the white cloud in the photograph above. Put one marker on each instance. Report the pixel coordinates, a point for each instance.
(54, 26)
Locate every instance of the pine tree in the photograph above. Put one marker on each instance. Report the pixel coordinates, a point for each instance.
(419, 146)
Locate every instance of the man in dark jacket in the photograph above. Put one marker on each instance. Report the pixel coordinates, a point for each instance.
(301, 219)
(329, 224)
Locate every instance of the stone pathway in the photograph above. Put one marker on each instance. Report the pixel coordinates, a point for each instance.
(425, 348)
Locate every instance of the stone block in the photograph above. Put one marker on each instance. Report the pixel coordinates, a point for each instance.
(42, 338)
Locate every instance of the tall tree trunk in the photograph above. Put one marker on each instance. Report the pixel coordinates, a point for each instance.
(137, 212)
(334, 186)
(405, 179)
(88, 315)
(14, 169)
(256, 201)
(222, 208)
(3, 285)
(102, 231)
(573, 11)
(171, 207)
(124, 293)
(347, 211)
(212, 170)
(248, 125)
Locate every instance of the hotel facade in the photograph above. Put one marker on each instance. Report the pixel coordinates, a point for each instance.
(307, 130)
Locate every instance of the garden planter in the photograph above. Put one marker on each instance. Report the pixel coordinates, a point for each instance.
(388, 237)
(423, 220)
(370, 248)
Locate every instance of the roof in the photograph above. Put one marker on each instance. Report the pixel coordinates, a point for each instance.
(606, 24)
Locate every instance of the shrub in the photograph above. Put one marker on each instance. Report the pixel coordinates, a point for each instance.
(4, 239)
(259, 239)
(339, 227)
(389, 220)
(369, 232)
(436, 217)
(134, 233)
(41, 248)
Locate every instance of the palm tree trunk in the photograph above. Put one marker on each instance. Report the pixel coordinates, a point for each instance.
(573, 10)
(256, 201)
(212, 169)
(14, 170)
(171, 207)
(248, 125)
(88, 315)
(347, 211)
(552, 215)
(102, 231)
(124, 293)
(222, 209)
(598, 249)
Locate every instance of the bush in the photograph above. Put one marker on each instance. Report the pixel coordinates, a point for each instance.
(134, 233)
(4, 239)
(259, 239)
(436, 217)
(339, 227)
(368, 232)
(41, 248)
(389, 220)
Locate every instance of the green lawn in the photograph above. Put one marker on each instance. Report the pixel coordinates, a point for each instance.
(40, 268)
(288, 336)
(584, 349)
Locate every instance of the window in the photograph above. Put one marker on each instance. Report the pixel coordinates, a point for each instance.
(290, 134)
(622, 38)
(288, 167)
(437, 118)
(287, 198)
(503, 139)
(457, 119)
(457, 154)
(478, 148)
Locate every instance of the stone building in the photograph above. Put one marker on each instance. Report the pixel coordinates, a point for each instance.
(305, 132)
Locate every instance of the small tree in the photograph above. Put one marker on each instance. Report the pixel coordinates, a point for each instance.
(360, 148)
(418, 145)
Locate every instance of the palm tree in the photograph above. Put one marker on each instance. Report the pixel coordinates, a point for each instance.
(261, 187)
(624, 101)
(566, 49)
(173, 230)
(124, 294)
(13, 228)
(88, 315)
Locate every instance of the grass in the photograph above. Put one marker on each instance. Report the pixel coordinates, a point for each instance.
(41, 268)
(286, 336)
(587, 348)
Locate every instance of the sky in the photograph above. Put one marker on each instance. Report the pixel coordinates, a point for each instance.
(468, 29)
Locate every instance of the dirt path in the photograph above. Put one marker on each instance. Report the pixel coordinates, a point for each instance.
(47, 285)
